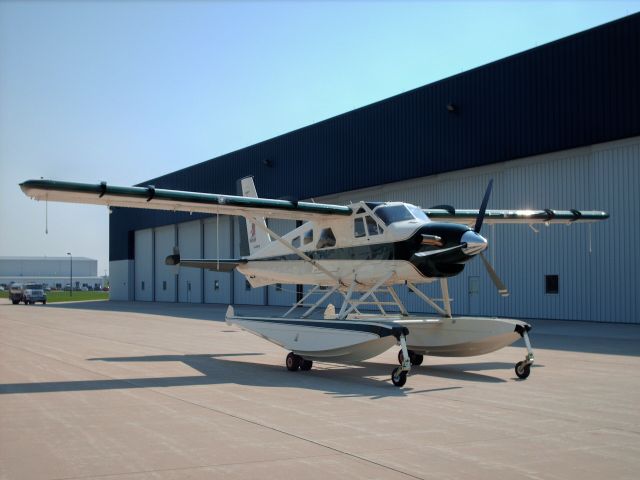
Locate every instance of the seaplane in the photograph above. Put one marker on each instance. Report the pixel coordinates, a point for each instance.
(357, 253)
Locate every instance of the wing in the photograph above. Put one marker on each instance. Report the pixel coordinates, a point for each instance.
(449, 214)
(175, 200)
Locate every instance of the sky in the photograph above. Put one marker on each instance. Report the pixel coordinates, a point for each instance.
(127, 91)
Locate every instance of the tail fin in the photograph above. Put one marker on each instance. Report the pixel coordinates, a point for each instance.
(258, 237)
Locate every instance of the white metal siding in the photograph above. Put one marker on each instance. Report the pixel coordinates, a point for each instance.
(596, 286)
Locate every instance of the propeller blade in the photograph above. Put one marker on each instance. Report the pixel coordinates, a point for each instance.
(483, 207)
(502, 288)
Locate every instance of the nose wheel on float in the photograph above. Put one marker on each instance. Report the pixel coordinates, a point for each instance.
(523, 367)
(399, 374)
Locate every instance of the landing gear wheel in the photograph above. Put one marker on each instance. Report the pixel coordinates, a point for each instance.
(414, 358)
(293, 362)
(522, 370)
(398, 377)
(306, 365)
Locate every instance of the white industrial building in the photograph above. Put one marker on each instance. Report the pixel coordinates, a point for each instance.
(555, 127)
(54, 272)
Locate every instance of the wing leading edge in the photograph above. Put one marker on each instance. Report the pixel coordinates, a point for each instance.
(175, 200)
(526, 217)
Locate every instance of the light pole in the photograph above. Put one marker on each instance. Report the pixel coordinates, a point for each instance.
(70, 274)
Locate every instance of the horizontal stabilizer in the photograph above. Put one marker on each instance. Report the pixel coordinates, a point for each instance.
(218, 265)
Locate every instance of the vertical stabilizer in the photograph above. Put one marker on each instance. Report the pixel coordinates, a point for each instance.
(257, 237)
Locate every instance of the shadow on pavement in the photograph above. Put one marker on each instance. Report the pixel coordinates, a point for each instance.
(332, 379)
(573, 336)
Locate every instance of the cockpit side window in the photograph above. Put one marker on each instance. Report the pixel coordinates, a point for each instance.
(327, 239)
(400, 213)
(418, 213)
(358, 227)
(372, 226)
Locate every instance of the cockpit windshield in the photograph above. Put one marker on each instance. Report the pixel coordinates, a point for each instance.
(400, 213)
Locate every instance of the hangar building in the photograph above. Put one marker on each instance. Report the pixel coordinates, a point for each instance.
(557, 126)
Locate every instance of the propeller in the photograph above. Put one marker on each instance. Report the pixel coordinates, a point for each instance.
(483, 207)
(502, 288)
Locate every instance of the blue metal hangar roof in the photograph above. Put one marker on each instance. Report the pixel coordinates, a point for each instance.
(579, 90)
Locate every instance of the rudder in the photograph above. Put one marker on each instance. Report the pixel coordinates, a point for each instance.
(257, 237)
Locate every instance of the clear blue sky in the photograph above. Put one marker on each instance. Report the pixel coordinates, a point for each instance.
(127, 91)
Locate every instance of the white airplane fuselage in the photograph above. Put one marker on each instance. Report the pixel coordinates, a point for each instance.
(393, 240)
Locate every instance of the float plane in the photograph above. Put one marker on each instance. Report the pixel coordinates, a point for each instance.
(358, 251)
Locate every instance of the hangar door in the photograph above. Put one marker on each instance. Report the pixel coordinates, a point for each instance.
(166, 276)
(190, 279)
(143, 265)
(218, 286)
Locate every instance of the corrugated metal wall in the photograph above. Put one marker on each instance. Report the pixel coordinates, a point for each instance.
(597, 266)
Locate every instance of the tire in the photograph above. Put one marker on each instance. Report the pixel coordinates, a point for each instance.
(15, 302)
(522, 370)
(293, 362)
(44, 302)
(398, 377)
(306, 365)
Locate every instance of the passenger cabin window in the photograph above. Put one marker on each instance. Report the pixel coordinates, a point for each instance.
(327, 239)
(358, 227)
(295, 242)
(307, 237)
(372, 226)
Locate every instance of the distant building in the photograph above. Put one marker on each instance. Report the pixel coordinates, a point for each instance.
(55, 272)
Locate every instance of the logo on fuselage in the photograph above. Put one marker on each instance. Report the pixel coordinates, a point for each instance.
(252, 236)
